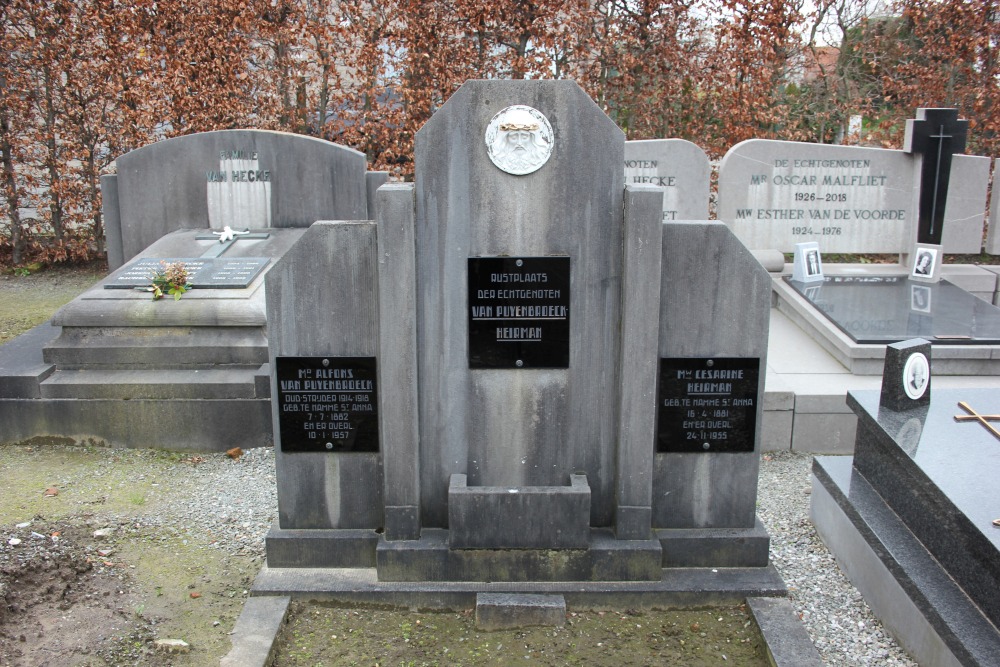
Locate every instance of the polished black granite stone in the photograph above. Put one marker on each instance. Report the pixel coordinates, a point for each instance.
(940, 477)
(954, 617)
(889, 309)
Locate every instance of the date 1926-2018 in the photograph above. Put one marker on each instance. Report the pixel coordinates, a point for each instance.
(809, 231)
(828, 197)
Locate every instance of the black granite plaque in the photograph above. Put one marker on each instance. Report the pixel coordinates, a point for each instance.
(203, 273)
(519, 312)
(327, 404)
(707, 405)
(890, 309)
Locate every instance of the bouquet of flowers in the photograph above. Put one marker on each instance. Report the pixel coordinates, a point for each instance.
(170, 279)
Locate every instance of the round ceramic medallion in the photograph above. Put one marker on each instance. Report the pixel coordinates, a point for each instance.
(519, 139)
(916, 373)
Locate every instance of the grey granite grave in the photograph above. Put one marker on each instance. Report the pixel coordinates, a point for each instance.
(910, 516)
(192, 374)
(528, 456)
(876, 304)
(678, 166)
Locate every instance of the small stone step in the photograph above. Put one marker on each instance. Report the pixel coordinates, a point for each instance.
(503, 611)
(156, 347)
(213, 383)
(21, 365)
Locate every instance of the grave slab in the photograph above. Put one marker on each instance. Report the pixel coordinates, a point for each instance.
(951, 357)
(908, 589)
(938, 475)
(890, 309)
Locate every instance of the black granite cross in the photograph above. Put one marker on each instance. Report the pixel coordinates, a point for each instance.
(975, 416)
(936, 135)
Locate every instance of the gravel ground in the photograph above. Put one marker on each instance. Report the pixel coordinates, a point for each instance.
(838, 620)
(233, 504)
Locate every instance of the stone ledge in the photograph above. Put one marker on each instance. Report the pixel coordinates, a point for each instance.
(503, 611)
(788, 643)
(529, 517)
(431, 559)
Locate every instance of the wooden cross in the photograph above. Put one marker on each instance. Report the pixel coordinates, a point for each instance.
(975, 416)
(936, 134)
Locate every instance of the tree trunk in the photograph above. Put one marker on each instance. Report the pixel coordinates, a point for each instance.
(10, 189)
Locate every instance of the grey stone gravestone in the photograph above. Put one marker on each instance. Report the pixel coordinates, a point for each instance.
(774, 194)
(519, 341)
(680, 167)
(194, 371)
(240, 178)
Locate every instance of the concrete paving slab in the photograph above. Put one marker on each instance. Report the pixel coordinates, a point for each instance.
(788, 643)
(255, 632)
(504, 611)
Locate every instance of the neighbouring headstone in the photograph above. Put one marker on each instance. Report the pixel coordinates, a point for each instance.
(522, 303)
(936, 135)
(774, 194)
(680, 167)
(124, 367)
(993, 232)
(323, 350)
(237, 178)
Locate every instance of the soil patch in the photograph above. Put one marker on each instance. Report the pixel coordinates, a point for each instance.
(63, 603)
(71, 595)
(322, 635)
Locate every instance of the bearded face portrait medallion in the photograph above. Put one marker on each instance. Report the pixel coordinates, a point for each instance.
(519, 140)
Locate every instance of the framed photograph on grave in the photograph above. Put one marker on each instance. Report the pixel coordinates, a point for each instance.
(807, 266)
(925, 263)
